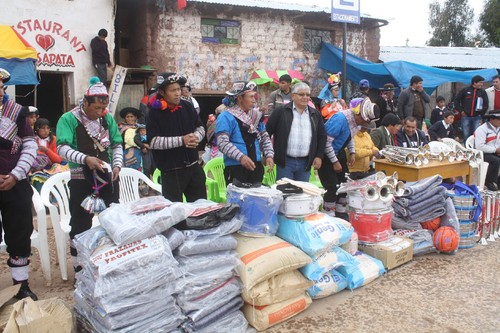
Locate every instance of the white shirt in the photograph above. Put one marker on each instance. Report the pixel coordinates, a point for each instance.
(299, 139)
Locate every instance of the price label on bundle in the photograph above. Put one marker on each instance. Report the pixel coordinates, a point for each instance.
(119, 256)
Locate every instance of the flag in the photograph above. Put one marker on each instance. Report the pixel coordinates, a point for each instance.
(181, 4)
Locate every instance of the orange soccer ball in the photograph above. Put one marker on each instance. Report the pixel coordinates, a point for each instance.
(446, 239)
(431, 224)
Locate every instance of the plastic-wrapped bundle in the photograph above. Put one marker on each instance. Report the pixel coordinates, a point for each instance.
(198, 263)
(329, 284)
(207, 244)
(124, 227)
(277, 289)
(175, 238)
(200, 307)
(197, 322)
(233, 322)
(225, 228)
(209, 215)
(365, 271)
(130, 316)
(193, 286)
(91, 240)
(326, 262)
(316, 233)
(422, 240)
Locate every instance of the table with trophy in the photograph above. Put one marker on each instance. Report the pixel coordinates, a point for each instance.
(413, 164)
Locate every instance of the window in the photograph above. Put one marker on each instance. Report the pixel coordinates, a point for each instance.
(313, 39)
(220, 31)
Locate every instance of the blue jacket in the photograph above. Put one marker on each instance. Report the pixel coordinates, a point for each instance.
(338, 128)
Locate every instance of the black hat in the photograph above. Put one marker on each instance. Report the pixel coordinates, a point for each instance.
(241, 87)
(165, 79)
(492, 114)
(388, 87)
(134, 111)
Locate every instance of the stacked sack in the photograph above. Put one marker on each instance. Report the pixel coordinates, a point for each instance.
(273, 288)
(126, 288)
(127, 253)
(209, 293)
(425, 214)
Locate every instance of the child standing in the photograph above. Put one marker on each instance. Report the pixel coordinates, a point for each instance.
(140, 139)
(437, 113)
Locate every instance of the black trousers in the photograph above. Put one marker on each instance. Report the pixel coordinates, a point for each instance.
(330, 179)
(244, 175)
(79, 189)
(493, 167)
(189, 181)
(17, 218)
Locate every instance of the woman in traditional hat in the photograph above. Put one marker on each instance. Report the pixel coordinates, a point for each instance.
(329, 107)
(132, 156)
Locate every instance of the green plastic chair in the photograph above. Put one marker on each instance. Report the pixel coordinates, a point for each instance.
(216, 183)
(157, 180)
(269, 177)
(313, 180)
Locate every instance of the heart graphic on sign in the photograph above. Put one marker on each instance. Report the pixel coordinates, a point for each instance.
(46, 42)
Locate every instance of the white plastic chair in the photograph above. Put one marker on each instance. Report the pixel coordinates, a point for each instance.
(39, 238)
(129, 184)
(469, 143)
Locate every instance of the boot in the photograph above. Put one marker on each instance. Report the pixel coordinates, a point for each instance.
(24, 291)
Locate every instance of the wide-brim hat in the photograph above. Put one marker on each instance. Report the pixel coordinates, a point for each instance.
(368, 110)
(136, 112)
(4, 75)
(492, 114)
(165, 79)
(241, 87)
(388, 87)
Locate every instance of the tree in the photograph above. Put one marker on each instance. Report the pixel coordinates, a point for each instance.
(490, 21)
(450, 23)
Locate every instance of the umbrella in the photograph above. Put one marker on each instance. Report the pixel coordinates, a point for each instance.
(261, 76)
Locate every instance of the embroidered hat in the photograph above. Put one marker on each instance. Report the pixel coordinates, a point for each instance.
(365, 108)
(4, 75)
(96, 88)
(241, 87)
(364, 83)
(334, 81)
(32, 109)
(163, 80)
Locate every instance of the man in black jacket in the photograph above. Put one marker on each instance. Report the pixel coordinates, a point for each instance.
(100, 55)
(444, 128)
(299, 136)
(472, 102)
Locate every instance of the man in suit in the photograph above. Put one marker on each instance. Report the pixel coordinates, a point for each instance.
(385, 134)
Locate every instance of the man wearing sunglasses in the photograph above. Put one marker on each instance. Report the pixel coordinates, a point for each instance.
(242, 136)
(17, 153)
(299, 136)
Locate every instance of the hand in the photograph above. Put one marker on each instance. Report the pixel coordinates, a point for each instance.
(144, 150)
(337, 167)
(462, 113)
(247, 163)
(317, 163)
(269, 164)
(94, 163)
(7, 182)
(190, 140)
(116, 173)
(146, 146)
(375, 152)
(352, 159)
(343, 103)
(43, 149)
(497, 151)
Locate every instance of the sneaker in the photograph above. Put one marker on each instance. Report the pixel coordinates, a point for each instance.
(25, 291)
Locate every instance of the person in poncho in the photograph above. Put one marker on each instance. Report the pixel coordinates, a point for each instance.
(88, 138)
(17, 154)
(242, 136)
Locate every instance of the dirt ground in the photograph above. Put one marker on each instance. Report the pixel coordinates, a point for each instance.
(433, 293)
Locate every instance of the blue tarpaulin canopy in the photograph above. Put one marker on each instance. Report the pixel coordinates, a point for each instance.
(395, 72)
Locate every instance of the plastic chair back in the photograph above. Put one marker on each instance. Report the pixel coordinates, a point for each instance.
(214, 171)
(129, 184)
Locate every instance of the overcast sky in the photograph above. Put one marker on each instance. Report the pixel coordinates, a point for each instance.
(408, 19)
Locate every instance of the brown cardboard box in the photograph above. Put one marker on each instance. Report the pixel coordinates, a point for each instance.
(393, 252)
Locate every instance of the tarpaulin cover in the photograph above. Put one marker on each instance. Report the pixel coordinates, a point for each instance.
(261, 76)
(17, 56)
(398, 73)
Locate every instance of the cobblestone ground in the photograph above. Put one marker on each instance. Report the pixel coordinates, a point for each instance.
(433, 293)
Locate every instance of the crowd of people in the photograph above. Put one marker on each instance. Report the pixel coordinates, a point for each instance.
(337, 137)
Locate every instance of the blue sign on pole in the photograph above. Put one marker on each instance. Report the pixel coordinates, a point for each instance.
(346, 11)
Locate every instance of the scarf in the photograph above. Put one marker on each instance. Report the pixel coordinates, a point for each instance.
(93, 127)
(250, 118)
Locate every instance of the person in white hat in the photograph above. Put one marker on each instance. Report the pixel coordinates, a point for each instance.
(17, 153)
(487, 139)
(341, 129)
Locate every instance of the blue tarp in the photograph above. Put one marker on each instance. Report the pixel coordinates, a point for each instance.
(395, 72)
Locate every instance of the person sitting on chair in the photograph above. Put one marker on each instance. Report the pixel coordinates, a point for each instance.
(487, 139)
(444, 128)
(409, 136)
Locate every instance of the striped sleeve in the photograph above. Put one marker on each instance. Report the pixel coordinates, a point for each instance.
(350, 147)
(200, 133)
(166, 142)
(329, 151)
(28, 154)
(117, 155)
(71, 155)
(227, 148)
(266, 146)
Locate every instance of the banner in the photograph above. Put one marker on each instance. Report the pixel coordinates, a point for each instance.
(115, 89)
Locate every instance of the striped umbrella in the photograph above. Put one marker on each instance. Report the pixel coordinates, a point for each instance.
(261, 76)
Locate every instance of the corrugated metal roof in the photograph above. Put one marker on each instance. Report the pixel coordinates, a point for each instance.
(277, 5)
(449, 57)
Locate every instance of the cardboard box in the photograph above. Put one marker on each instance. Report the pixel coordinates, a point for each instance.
(393, 252)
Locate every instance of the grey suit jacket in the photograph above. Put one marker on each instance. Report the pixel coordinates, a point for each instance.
(380, 137)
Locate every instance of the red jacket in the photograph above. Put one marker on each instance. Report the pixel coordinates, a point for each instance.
(52, 150)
